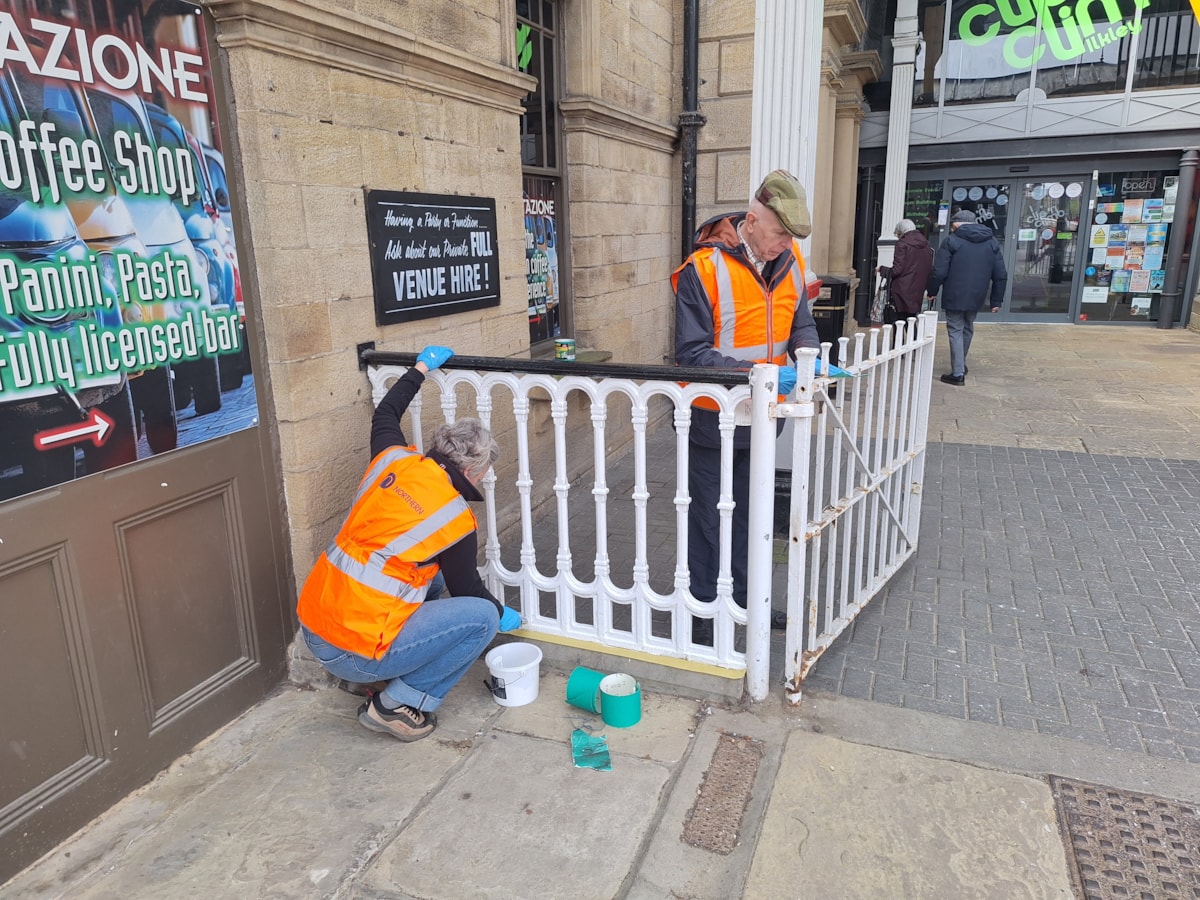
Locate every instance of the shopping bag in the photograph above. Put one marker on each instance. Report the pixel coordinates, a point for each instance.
(881, 300)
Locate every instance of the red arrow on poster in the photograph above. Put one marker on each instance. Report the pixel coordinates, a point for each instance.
(95, 428)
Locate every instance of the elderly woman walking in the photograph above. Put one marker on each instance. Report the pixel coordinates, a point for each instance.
(369, 610)
(909, 272)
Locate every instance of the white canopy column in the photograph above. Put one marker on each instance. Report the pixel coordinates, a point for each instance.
(787, 83)
(904, 54)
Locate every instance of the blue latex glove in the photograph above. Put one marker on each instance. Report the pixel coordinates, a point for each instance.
(834, 371)
(787, 379)
(434, 356)
(510, 619)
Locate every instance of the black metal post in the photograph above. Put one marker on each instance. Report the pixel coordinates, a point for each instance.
(1168, 304)
(690, 120)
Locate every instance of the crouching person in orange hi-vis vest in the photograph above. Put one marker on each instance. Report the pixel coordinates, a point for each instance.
(741, 298)
(369, 609)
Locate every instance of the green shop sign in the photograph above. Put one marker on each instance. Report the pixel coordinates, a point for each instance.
(1069, 28)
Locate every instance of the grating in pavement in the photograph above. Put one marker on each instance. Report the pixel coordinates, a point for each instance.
(715, 819)
(1127, 845)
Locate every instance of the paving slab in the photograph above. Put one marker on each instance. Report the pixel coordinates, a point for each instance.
(664, 732)
(673, 868)
(846, 820)
(518, 819)
(289, 810)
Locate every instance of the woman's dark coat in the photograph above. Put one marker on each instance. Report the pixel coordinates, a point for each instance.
(909, 271)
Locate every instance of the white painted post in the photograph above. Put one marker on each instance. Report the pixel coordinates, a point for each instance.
(764, 379)
(895, 177)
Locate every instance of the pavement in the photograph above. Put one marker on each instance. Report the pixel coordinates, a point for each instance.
(1017, 715)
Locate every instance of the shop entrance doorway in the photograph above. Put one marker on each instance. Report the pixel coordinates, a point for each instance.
(1042, 269)
(1038, 226)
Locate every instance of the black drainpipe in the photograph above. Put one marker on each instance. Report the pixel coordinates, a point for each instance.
(1168, 304)
(690, 120)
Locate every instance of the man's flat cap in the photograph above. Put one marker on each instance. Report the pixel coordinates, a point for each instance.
(964, 215)
(781, 193)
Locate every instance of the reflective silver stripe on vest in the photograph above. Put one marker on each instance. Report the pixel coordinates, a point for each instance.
(725, 302)
(369, 574)
(424, 529)
(389, 456)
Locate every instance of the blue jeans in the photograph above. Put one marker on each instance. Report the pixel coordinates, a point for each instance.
(960, 328)
(431, 653)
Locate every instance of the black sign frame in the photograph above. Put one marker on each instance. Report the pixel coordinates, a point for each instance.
(431, 254)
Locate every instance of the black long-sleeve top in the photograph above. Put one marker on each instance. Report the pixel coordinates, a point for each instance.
(457, 561)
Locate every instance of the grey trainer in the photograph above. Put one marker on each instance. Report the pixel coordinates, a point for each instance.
(403, 723)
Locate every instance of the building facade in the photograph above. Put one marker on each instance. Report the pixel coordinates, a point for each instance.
(1070, 129)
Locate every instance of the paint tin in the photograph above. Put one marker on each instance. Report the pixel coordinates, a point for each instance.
(564, 348)
(620, 700)
(583, 689)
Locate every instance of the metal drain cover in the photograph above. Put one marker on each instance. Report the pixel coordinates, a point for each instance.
(1126, 845)
(715, 819)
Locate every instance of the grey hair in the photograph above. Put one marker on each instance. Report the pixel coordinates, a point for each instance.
(468, 445)
(904, 226)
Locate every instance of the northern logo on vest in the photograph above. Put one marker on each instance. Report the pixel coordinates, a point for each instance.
(388, 483)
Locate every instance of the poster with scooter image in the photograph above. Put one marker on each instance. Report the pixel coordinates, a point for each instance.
(122, 324)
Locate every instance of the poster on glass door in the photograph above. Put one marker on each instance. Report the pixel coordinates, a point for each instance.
(121, 319)
(1127, 245)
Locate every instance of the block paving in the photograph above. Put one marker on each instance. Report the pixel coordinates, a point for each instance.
(1055, 590)
(1052, 592)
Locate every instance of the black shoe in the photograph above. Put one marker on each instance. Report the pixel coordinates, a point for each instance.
(702, 632)
(956, 380)
(778, 620)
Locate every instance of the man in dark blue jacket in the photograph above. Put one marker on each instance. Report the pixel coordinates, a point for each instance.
(967, 262)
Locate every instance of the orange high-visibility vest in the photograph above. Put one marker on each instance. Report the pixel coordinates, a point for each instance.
(749, 321)
(375, 572)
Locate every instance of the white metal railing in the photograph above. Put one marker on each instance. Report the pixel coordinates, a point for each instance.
(599, 556)
(856, 487)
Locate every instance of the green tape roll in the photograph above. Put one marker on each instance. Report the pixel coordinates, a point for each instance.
(583, 689)
(620, 700)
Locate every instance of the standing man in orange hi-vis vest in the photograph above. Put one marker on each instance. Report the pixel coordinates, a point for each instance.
(369, 610)
(741, 298)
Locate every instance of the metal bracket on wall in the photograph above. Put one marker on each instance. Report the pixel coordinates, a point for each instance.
(359, 350)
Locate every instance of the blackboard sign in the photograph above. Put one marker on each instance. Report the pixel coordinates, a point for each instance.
(431, 254)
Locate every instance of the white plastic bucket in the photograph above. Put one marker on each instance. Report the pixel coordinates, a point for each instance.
(514, 671)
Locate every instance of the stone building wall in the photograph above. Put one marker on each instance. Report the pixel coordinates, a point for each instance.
(331, 97)
(620, 113)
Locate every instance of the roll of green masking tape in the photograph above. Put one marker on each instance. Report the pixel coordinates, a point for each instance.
(620, 700)
(583, 689)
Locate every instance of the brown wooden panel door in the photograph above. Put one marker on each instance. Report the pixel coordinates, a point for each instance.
(140, 609)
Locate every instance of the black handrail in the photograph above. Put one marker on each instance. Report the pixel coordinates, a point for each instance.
(699, 375)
